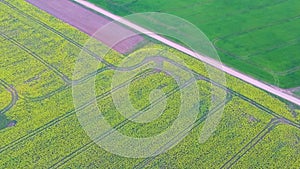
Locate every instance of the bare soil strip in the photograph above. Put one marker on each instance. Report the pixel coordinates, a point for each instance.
(89, 22)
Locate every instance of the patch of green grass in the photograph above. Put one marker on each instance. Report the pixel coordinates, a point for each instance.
(261, 38)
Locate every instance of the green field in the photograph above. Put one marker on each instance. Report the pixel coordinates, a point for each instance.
(48, 133)
(260, 38)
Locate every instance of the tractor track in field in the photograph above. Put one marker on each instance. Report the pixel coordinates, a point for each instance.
(257, 139)
(199, 121)
(267, 50)
(65, 116)
(60, 118)
(118, 126)
(14, 96)
(278, 22)
(243, 12)
(37, 57)
(254, 141)
(198, 76)
(235, 93)
(67, 86)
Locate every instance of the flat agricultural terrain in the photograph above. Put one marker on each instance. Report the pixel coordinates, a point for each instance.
(259, 38)
(40, 127)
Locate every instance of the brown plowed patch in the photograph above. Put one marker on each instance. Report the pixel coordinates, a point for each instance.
(89, 22)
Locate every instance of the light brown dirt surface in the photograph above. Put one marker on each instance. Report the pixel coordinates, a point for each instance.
(89, 22)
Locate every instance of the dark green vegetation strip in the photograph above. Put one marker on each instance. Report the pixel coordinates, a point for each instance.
(260, 38)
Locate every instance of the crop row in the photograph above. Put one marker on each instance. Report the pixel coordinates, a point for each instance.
(189, 152)
(26, 73)
(45, 136)
(33, 117)
(54, 47)
(279, 149)
(30, 30)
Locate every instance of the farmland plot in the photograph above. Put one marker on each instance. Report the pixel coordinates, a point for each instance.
(49, 132)
(264, 44)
